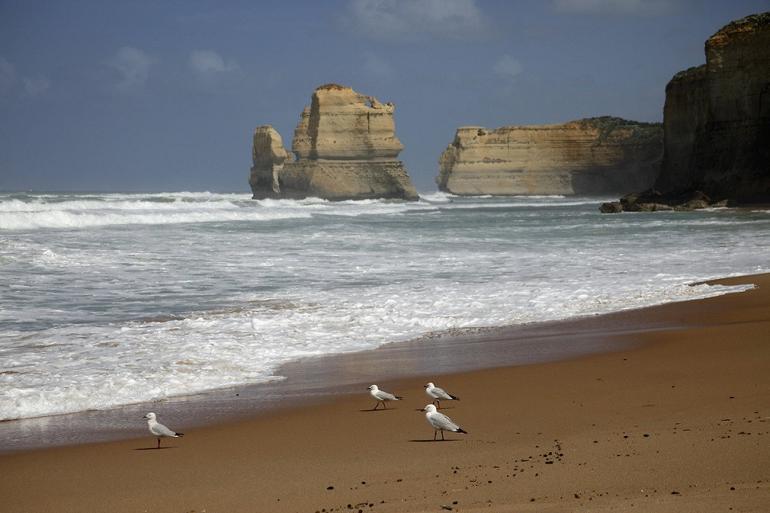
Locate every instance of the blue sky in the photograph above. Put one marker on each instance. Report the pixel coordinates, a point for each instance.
(164, 95)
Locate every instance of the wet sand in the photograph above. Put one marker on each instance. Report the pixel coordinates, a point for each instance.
(675, 418)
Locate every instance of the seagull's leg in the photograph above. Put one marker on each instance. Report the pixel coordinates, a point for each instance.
(442, 435)
(434, 434)
(438, 404)
(158, 447)
(376, 405)
(384, 405)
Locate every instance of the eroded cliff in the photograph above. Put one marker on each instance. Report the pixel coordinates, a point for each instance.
(717, 117)
(588, 156)
(717, 126)
(345, 146)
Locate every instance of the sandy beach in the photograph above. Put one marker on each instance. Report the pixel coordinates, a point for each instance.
(679, 420)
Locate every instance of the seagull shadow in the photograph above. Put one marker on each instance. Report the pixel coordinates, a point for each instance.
(429, 440)
(378, 409)
(154, 448)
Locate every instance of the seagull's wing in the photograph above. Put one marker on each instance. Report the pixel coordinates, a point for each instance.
(442, 394)
(161, 430)
(441, 421)
(386, 396)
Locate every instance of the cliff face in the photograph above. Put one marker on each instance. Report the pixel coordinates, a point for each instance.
(684, 115)
(717, 118)
(346, 148)
(589, 156)
(341, 124)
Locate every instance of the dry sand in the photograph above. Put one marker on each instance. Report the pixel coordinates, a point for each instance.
(681, 423)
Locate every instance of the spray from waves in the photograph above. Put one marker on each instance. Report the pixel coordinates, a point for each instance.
(92, 318)
(164, 357)
(32, 212)
(437, 197)
(69, 219)
(72, 211)
(75, 211)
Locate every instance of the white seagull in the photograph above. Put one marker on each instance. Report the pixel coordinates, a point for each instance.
(382, 396)
(439, 394)
(440, 422)
(158, 429)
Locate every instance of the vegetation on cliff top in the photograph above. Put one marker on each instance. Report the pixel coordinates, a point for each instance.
(611, 122)
(753, 21)
(331, 87)
(691, 73)
(641, 131)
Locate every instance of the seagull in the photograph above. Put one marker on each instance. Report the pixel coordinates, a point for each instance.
(437, 394)
(382, 396)
(158, 429)
(440, 422)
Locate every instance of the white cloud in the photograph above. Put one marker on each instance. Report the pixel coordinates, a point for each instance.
(406, 19)
(133, 66)
(35, 86)
(7, 76)
(377, 67)
(10, 81)
(636, 7)
(507, 67)
(209, 61)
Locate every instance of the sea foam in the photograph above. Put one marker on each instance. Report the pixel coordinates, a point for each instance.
(174, 294)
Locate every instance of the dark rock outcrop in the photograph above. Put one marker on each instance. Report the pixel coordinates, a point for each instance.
(346, 148)
(654, 201)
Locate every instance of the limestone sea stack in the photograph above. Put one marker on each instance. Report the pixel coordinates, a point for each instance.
(268, 157)
(717, 126)
(588, 156)
(344, 147)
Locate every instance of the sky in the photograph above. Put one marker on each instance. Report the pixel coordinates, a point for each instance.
(164, 95)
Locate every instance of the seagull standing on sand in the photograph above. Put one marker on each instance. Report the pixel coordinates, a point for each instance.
(382, 396)
(439, 394)
(158, 429)
(440, 422)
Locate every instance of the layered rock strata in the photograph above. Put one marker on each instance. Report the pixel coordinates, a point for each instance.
(588, 156)
(345, 146)
(717, 122)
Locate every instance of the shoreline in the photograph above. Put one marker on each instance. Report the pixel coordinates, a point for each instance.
(676, 420)
(319, 379)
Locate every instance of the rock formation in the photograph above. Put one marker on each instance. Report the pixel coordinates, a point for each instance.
(717, 123)
(346, 148)
(268, 156)
(654, 201)
(589, 156)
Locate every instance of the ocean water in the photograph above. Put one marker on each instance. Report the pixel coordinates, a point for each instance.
(112, 299)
